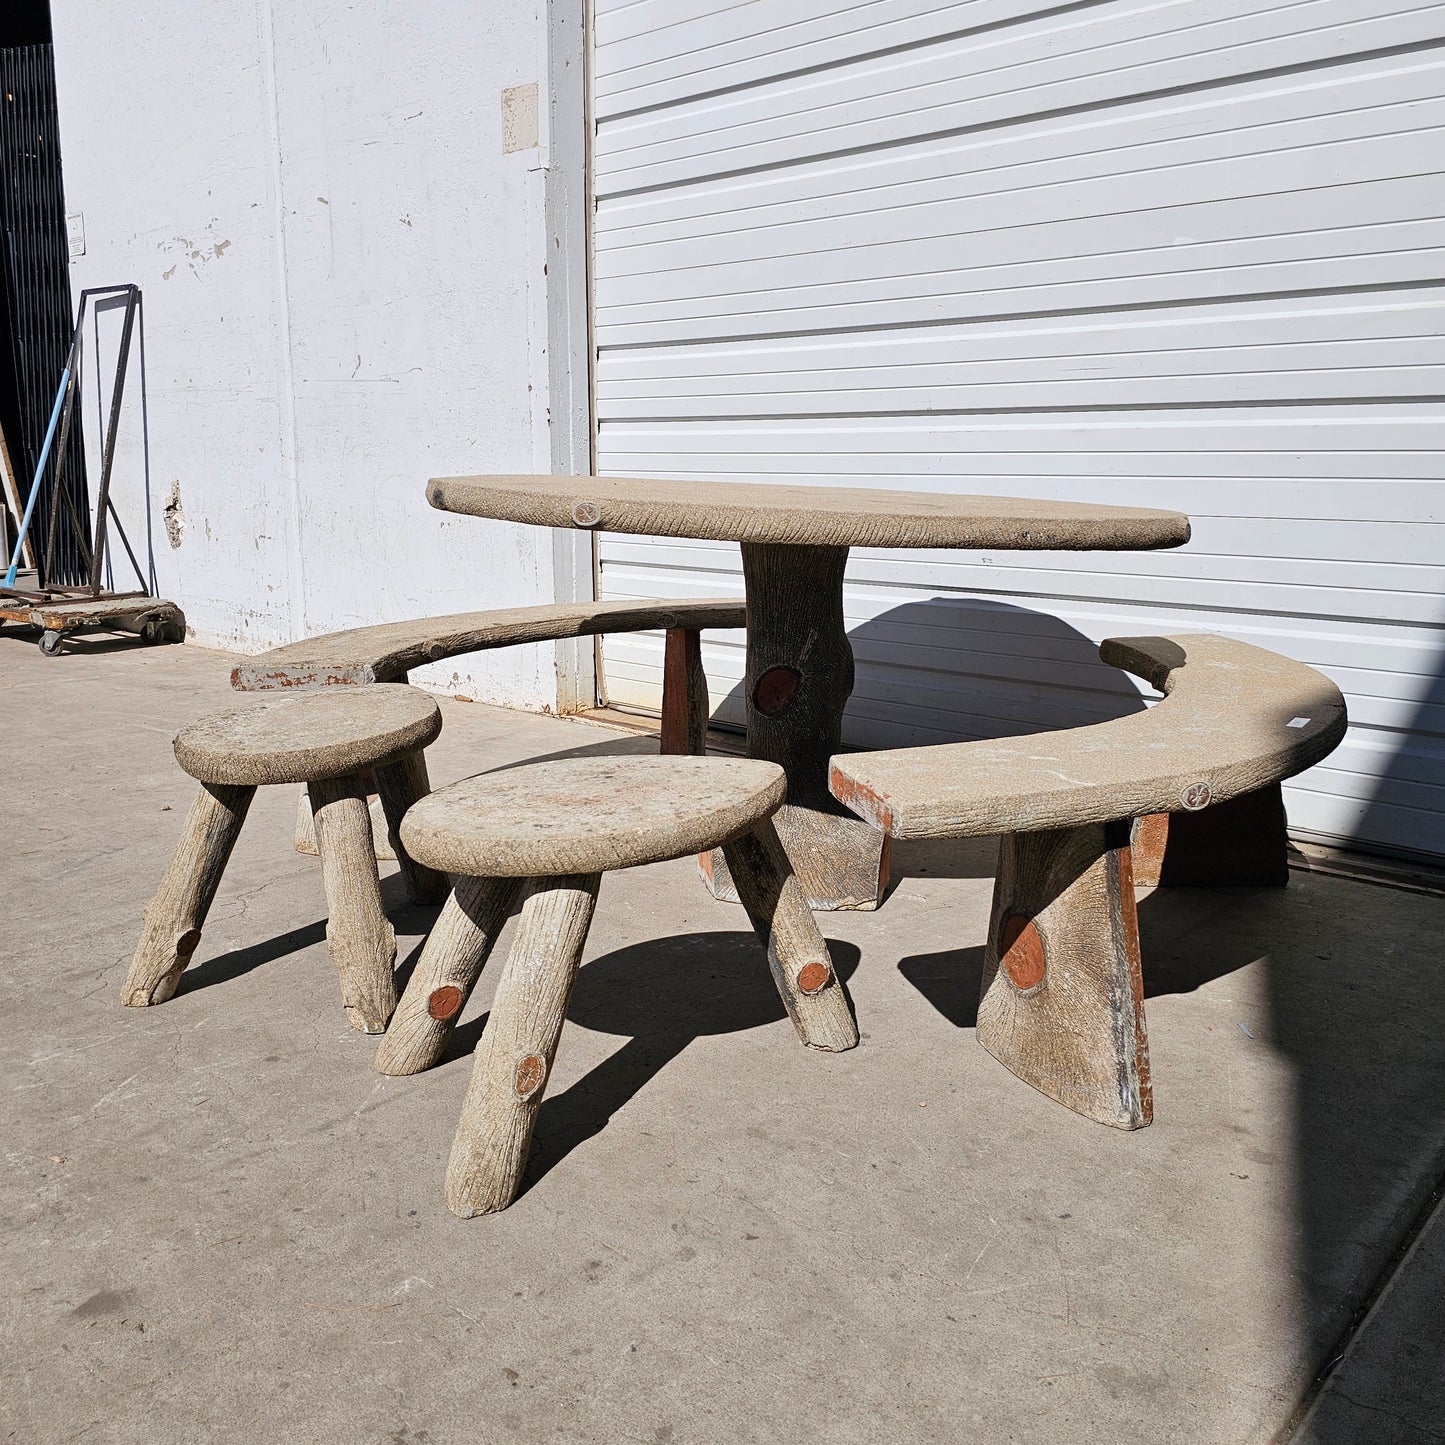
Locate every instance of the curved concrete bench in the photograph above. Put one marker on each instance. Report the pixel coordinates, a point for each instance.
(1062, 1001)
(387, 652)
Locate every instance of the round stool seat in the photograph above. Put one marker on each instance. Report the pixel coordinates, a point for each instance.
(590, 815)
(304, 737)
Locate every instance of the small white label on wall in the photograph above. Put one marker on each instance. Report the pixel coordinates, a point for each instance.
(75, 232)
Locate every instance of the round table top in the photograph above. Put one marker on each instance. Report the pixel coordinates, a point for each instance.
(817, 516)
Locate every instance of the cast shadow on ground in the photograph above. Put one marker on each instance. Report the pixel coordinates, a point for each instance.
(406, 917)
(1178, 957)
(238, 962)
(662, 995)
(76, 644)
(620, 745)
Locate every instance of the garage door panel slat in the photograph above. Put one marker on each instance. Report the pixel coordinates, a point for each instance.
(1104, 55)
(1383, 137)
(1246, 117)
(653, 55)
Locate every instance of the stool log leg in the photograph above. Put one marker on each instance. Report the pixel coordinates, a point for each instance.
(514, 1058)
(456, 951)
(174, 917)
(1243, 842)
(1062, 1004)
(362, 943)
(401, 784)
(306, 828)
(797, 955)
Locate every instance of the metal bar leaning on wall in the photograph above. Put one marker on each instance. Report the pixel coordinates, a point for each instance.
(102, 504)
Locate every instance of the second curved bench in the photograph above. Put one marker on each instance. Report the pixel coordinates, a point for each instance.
(1062, 1002)
(386, 652)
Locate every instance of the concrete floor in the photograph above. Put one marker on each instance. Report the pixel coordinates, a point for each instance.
(223, 1225)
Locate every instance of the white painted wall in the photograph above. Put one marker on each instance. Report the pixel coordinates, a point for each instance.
(343, 279)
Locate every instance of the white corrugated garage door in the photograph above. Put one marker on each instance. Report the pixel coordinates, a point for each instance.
(1182, 254)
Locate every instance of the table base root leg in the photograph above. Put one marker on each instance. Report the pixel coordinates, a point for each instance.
(799, 677)
(841, 862)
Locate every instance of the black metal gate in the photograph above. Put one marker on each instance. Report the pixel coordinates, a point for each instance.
(37, 321)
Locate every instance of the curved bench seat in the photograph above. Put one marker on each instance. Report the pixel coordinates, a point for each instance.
(362, 656)
(1062, 1002)
(1234, 718)
(387, 652)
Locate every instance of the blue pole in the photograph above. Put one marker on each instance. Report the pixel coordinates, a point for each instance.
(39, 472)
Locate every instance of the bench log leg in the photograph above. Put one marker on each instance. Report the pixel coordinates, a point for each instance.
(175, 916)
(401, 784)
(362, 943)
(1062, 1003)
(514, 1058)
(306, 828)
(685, 707)
(797, 955)
(1243, 842)
(456, 951)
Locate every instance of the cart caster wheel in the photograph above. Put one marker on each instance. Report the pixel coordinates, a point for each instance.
(155, 632)
(50, 643)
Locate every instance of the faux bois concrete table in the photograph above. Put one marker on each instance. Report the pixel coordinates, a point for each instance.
(795, 543)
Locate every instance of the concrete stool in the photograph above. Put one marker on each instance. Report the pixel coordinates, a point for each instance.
(326, 739)
(557, 827)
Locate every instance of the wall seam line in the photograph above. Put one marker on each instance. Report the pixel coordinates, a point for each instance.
(295, 563)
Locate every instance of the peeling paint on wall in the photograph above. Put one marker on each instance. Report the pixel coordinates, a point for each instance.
(175, 517)
(194, 253)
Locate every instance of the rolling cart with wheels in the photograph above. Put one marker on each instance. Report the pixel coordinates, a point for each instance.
(152, 619)
(62, 611)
